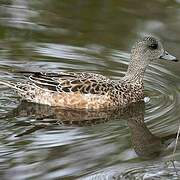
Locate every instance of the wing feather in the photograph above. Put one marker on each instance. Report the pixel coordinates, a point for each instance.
(71, 82)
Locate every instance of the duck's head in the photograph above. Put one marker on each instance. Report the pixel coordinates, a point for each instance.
(149, 49)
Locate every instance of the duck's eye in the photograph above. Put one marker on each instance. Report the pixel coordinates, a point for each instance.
(153, 46)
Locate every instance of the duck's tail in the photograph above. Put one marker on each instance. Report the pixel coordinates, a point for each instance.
(8, 83)
(14, 86)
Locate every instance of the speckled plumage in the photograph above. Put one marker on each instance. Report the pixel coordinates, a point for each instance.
(89, 90)
(79, 90)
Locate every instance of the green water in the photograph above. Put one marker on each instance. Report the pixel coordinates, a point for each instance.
(39, 142)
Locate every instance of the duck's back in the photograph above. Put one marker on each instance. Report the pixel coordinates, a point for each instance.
(68, 90)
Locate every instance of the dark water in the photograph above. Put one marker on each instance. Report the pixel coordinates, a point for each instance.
(37, 142)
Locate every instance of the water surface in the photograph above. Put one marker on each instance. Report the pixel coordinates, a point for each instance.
(38, 142)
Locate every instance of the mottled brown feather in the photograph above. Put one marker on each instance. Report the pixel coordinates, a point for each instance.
(89, 90)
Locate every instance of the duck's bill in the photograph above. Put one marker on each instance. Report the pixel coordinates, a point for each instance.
(167, 56)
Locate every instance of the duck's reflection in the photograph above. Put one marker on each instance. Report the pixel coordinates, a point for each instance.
(145, 144)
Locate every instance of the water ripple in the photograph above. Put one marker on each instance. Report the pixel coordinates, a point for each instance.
(77, 150)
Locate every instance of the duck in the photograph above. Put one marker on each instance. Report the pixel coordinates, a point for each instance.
(91, 91)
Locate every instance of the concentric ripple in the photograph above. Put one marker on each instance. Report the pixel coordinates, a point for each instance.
(162, 171)
(82, 149)
(161, 87)
(154, 171)
(76, 36)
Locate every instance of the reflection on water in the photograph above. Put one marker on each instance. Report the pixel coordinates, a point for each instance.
(38, 142)
(145, 144)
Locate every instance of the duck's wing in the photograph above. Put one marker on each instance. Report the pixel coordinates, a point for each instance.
(71, 82)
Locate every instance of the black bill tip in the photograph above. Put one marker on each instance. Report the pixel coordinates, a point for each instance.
(175, 60)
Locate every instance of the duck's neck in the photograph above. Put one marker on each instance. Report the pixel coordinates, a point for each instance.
(135, 77)
(135, 72)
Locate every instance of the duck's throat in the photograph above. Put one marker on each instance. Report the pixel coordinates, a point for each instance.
(136, 69)
(134, 75)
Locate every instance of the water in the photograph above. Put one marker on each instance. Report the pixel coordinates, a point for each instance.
(38, 142)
